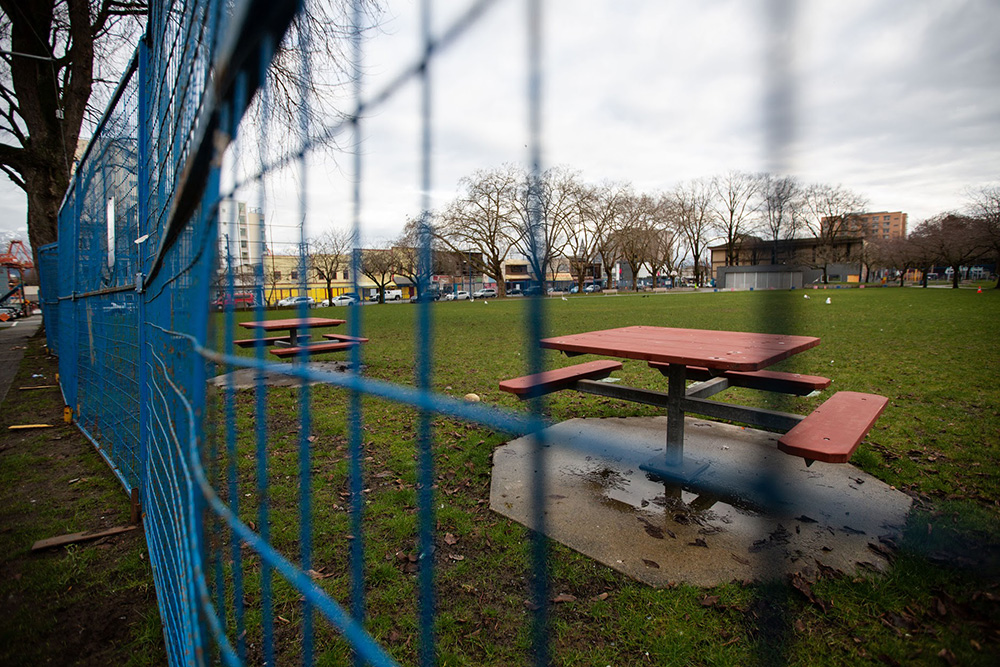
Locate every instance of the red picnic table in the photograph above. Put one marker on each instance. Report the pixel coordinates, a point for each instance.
(292, 325)
(718, 360)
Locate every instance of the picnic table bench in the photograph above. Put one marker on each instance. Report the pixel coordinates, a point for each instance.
(531, 386)
(266, 341)
(834, 430)
(314, 348)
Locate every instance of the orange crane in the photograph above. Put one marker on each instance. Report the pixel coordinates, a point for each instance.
(16, 261)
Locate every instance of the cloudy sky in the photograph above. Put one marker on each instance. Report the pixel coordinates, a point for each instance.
(897, 100)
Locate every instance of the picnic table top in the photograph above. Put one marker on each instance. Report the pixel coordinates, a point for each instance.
(724, 350)
(293, 323)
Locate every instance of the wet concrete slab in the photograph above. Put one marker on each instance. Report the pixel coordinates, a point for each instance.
(246, 378)
(754, 513)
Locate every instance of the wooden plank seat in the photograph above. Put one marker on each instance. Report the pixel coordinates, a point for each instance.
(315, 348)
(345, 339)
(784, 383)
(267, 340)
(834, 430)
(530, 386)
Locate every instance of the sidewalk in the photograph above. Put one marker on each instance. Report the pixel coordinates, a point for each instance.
(13, 341)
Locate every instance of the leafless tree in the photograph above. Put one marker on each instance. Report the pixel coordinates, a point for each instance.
(52, 54)
(666, 251)
(408, 248)
(734, 206)
(984, 206)
(951, 239)
(330, 254)
(312, 96)
(583, 234)
(832, 216)
(607, 207)
(896, 253)
(379, 264)
(635, 232)
(691, 205)
(560, 190)
(482, 219)
(780, 204)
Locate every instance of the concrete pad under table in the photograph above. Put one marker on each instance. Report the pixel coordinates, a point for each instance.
(779, 516)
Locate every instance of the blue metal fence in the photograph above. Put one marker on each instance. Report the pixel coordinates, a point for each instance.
(133, 275)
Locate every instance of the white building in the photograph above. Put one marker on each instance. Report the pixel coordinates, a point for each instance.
(241, 228)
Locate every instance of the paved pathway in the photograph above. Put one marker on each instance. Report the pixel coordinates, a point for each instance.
(13, 340)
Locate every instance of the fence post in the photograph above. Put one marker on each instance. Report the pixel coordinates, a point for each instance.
(142, 169)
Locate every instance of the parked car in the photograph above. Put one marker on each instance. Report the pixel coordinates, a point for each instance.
(593, 287)
(236, 301)
(515, 291)
(339, 300)
(429, 295)
(296, 300)
(575, 289)
(460, 295)
(486, 293)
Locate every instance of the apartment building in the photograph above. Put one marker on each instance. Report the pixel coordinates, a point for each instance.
(873, 225)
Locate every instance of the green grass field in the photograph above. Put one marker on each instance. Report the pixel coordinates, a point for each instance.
(930, 351)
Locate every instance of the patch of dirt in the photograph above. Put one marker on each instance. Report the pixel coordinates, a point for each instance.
(88, 604)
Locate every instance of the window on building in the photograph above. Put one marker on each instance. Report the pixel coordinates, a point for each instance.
(295, 275)
(346, 277)
(277, 276)
(243, 244)
(885, 217)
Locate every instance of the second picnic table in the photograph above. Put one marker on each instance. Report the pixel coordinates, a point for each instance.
(292, 325)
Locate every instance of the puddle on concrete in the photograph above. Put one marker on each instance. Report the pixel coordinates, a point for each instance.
(634, 493)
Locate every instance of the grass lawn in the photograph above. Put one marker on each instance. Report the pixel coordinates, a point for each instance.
(929, 351)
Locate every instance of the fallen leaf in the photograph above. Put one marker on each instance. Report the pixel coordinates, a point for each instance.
(531, 605)
(450, 539)
(947, 656)
(283, 619)
(806, 519)
(799, 625)
(564, 597)
(602, 596)
(941, 609)
(709, 600)
(651, 563)
(802, 586)
(456, 557)
(698, 543)
(653, 531)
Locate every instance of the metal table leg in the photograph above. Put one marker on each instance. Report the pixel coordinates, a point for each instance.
(675, 414)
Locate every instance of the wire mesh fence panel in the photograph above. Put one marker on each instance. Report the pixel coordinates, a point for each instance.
(299, 511)
(48, 271)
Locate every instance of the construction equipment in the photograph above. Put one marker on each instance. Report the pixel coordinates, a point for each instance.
(15, 262)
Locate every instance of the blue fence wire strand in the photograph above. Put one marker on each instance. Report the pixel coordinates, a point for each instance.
(355, 416)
